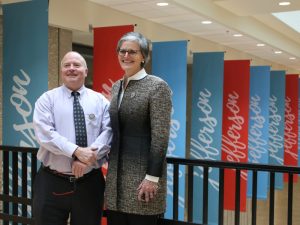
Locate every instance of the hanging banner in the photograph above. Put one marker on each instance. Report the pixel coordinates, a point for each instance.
(258, 134)
(25, 74)
(105, 64)
(235, 127)
(291, 123)
(298, 122)
(25, 68)
(276, 123)
(169, 61)
(206, 128)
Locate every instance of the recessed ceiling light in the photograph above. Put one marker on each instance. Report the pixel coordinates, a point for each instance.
(260, 45)
(206, 22)
(284, 3)
(162, 4)
(292, 58)
(277, 52)
(237, 35)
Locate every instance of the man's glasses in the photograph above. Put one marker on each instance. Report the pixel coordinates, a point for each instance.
(131, 52)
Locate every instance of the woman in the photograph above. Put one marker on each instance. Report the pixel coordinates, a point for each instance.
(140, 117)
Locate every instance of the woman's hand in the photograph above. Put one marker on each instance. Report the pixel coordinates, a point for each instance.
(147, 190)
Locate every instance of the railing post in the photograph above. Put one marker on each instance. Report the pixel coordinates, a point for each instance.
(271, 208)
(205, 195)
(190, 193)
(237, 197)
(175, 191)
(290, 200)
(24, 182)
(15, 181)
(221, 196)
(5, 182)
(254, 197)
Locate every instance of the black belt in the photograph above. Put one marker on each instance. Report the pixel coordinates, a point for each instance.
(70, 178)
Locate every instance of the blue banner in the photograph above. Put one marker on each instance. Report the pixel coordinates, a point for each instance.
(276, 122)
(25, 68)
(25, 71)
(258, 134)
(206, 128)
(169, 61)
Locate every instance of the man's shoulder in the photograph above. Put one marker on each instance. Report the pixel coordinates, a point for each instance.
(95, 94)
(52, 93)
(54, 90)
(92, 92)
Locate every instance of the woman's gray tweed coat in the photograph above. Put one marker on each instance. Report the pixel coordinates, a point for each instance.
(140, 140)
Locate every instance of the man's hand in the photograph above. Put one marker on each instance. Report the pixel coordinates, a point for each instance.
(86, 155)
(79, 168)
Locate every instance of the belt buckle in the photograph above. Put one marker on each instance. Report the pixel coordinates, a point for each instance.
(72, 179)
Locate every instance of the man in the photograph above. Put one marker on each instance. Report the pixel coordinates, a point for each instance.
(69, 184)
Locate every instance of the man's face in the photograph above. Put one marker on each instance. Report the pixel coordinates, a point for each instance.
(73, 71)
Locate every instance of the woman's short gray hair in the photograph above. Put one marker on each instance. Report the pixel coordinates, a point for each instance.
(143, 42)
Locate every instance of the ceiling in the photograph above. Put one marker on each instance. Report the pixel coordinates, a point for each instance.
(251, 18)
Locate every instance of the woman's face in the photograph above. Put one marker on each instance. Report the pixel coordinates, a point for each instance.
(130, 57)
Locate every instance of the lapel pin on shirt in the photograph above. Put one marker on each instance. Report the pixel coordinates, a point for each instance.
(91, 116)
(132, 94)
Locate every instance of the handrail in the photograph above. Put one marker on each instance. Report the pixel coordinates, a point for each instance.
(234, 165)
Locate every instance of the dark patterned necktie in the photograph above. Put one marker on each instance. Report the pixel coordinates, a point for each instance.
(79, 122)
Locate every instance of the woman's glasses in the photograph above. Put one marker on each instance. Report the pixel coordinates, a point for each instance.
(131, 52)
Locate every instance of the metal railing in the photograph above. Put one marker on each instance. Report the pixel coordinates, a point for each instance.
(21, 164)
(255, 168)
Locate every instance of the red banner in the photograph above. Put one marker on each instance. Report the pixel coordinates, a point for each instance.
(291, 122)
(106, 66)
(235, 127)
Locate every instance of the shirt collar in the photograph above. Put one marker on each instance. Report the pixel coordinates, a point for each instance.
(69, 91)
(138, 76)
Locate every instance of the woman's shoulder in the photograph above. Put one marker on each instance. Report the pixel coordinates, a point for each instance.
(156, 79)
(158, 82)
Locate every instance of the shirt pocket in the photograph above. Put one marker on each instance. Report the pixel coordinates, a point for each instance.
(93, 123)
